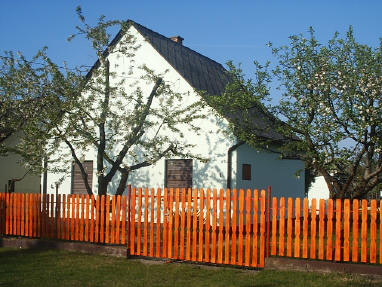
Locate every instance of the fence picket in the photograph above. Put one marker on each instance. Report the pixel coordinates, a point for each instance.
(321, 229)
(255, 227)
(68, 235)
(241, 225)
(27, 207)
(188, 243)
(214, 219)
(82, 220)
(146, 218)
(132, 222)
(227, 225)
(106, 216)
(118, 220)
(282, 227)
(182, 224)
(248, 227)
(313, 229)
(22, 223)
(139, 228)
(274, 227)
(102, 216)
(176, 231)
(201, 219)
(170, 223)
(157, 251)
(63, 216)
(9, 213)
(73, 208)
(35, 217)
(31, 205)
(87, 203)
(12, 214)
(123, 225)
(77, 227)
(234, 213)
(38, 233)
(221, 225)
(364, 232)
(97, 218)
(297, 227)
(112, 222)
(355, 231)
(329, 232)
(152, 198)
(262, 229)
(194, 224)
(337, 256)
(346, 230)
(165, 228)
(289, 227)
(44, 216)
(7, 208)
(207, 227)
(58, 216)
(373, 232)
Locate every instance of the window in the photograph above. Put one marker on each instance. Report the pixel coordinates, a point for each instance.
(246, 171)
(178, 173)
(78, 185)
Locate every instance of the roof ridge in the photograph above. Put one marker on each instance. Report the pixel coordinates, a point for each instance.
(168, 39)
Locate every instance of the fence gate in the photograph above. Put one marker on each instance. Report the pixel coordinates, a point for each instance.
(212, 226)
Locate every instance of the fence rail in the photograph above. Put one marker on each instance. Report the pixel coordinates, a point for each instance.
(216, 226)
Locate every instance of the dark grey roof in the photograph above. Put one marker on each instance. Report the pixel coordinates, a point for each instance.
(200, 72)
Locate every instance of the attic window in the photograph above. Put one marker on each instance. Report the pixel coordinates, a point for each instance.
(246, 171)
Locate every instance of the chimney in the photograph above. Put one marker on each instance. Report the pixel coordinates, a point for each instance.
(177, 39)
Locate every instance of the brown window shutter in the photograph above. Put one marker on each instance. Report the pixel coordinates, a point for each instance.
(78, 185)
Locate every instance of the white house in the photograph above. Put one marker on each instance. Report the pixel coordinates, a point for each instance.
(231, 163)
(13, 175)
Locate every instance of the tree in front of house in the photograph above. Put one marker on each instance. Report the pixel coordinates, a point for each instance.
(331, 109)
(129, 126)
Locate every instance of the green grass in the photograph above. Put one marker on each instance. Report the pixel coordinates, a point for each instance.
(61, 268)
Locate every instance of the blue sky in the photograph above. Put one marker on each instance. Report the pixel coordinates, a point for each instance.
(222, 30)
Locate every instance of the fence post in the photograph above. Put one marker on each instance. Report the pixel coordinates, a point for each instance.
(128, 219)
(268, 223)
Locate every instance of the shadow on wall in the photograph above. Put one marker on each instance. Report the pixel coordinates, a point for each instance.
(205, 174)
(211, 174)
(137, 178)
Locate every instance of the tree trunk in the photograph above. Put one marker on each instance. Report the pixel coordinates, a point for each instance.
(102, 185)
(122, 183)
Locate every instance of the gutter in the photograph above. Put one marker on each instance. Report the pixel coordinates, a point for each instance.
(229, 163)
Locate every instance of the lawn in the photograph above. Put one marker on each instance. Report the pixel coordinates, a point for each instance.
(61, 268)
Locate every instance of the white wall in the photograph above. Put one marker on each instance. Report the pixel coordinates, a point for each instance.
(267, 169)
(318, 189)
(11, 168)
(210, 144)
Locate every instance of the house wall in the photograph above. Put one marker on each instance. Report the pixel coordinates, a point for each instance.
(267, 169)
(210, 143)
(318, 189)
(11, 168)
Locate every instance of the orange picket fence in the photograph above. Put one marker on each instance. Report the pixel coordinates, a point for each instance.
(335, 230)
(67, 217)
(214, 226)
(199, 225)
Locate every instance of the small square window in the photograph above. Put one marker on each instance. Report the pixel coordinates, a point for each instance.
(246, 171)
